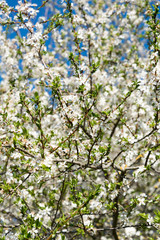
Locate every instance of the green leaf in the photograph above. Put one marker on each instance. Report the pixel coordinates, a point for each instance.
(157, 217)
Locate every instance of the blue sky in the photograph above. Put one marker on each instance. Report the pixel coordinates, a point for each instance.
(15, 2)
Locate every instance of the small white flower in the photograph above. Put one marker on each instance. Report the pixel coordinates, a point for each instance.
(150, 220)
(87, 220)
(95, 204)
(130, 231)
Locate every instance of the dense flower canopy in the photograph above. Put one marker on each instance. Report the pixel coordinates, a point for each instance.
(79, 120)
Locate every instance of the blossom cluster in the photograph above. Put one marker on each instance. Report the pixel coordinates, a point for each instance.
(80, 120)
